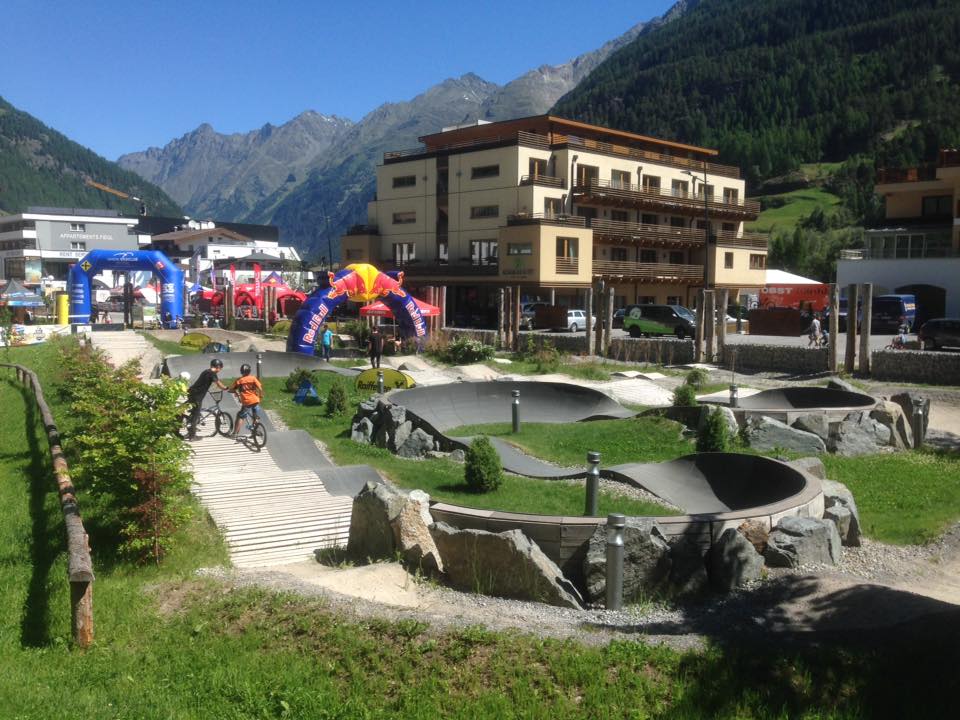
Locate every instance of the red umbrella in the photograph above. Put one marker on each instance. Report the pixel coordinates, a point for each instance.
(380, 309)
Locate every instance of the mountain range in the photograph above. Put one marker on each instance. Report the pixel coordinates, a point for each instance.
(313, 176)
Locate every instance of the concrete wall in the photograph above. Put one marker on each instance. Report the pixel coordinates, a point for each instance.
(776, 358)
(886, 275)
(920, 366)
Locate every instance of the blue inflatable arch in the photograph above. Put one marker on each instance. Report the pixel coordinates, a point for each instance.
(171, 277)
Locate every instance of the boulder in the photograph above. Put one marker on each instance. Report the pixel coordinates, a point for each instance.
(800, 541)
(815, 423)
(733, 561)
(688, 573)
(731, 420)
(838, 384)
(458, 455)
(362, 431)
(646, 561)
(811, 466)
(858, 434)
(367, 407)
(371, 530)
(506, 564)
(411, 534)
(891, 415)
(837, 494)
(400, 435)
(416, 445)
(756, 533)
(765, 433)
(911, 403)
(840, 516)
(392, 415)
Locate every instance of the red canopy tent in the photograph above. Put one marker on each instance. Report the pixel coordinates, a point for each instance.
(243, 294)
(379, 309)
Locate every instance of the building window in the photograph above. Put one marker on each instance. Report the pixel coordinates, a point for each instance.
(648, 256)
(78, 246)
(587, 212)
(936, 206)
(651, 183)
(567, 247)
(618, 254)
(702, 225)
(758, 262)
(728, 260)
(538, 167)
(484, 171)
(676, 257)
(78, 227)
(404, 253)
(620, 179)
(649, 219)
(673, 300)
(731, 196)
(646, 299)
(619, 215)
(729, 227)
(353, 254)
(483, 252)
(677, 222)
(484, 211)
(680, 188)
(587, 174)
(404, 218)
(520, 249)
(405, 181)
(552, 207)
(708, 191)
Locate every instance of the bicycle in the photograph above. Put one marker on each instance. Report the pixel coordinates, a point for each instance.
(212, 420)
(896, 344)
(256, 430)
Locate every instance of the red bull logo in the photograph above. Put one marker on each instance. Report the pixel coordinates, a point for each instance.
(315, 322)
(361, 283)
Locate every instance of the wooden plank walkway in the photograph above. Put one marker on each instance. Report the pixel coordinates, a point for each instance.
(267, 515)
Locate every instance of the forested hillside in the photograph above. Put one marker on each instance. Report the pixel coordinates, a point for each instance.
(39, 166)
(775, 83)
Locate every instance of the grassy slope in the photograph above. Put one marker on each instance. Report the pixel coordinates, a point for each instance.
(797, 204)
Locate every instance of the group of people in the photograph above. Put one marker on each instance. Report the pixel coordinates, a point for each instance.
(247, 388)
(818, 336)
(375, 344)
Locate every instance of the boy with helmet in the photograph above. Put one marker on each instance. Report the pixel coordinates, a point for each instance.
(198, 391)
(249, 391)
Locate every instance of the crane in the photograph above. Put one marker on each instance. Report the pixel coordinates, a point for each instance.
(118, 193)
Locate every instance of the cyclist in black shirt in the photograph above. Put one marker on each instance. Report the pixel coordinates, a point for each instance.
(198, 391)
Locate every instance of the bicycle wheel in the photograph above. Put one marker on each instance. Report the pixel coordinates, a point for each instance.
(183, 426)
(207, 424)
(224, 423)
(258, 435)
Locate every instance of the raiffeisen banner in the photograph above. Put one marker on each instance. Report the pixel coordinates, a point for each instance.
(813, 296)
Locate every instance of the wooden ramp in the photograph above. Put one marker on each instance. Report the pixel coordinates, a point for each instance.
(268, 516)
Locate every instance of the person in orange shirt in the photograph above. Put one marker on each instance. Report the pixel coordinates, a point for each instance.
(249, 391)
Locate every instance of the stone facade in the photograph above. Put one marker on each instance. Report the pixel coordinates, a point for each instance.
(776, 358)
(917, 366)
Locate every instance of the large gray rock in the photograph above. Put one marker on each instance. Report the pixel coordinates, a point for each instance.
(400, 434)
(733, 561)
(800, 541)
(506, 564)
(646, 561)
(416, 445)
(362, 431)
(836, 494)
(371, 530)
(891, 415)
(858, 434)
(811, 466)
(838, 384)
(392, 416)
(765, 433)
(688, 573)
(816, 423)
(910, 403)
(729, 418)
(411, 534)
(840, 516)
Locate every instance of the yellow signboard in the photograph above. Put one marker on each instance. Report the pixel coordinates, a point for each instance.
(392, 379)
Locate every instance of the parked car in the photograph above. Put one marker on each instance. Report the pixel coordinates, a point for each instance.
(577, 320)
(640, 320)
(939, 333)
(528, 313)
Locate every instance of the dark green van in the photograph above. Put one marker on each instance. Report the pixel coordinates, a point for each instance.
(641, 320)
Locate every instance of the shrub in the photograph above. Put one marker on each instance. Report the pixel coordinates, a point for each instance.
(294, 379)
(715, 435)
(697, 378)
(464, 350)
(437, 345)
(195, 340)
(482, 470)
(337, 399)
(547, 358)
(281, 327)
(360, 331)
(685, 396)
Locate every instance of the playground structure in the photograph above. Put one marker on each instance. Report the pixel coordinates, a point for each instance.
(82, 273)
(358, 283)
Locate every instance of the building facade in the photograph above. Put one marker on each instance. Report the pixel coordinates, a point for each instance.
(917, 248)
(551, 205)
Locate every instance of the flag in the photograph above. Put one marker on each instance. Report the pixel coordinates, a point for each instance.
(233, 275)
(213, 278)
(257, 287)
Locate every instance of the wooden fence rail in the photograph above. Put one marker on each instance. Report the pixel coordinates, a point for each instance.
(79, 565)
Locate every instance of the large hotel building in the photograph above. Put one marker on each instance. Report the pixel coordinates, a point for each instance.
(551, 205)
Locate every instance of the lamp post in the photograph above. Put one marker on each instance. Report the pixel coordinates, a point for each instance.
(706, 229)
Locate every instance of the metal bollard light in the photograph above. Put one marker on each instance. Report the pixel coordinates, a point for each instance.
(259, 364)
(593, 484)
(229, 346)
(615, 551)
(516, 411)
(380, 381)
(917, 427)
(734, 396)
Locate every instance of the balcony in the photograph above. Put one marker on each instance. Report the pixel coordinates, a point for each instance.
(667, 236)
(625, 194)
(432, 269)
(526, 139)
(546, 219)
(544, 181)
(363, 230)
(648, 272)
(922, 173)
(568, 266)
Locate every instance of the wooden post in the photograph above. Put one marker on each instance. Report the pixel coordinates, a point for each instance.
(867, 304)
(516, 320)
(598, 300)
(588, 311)
(443, 306)
(608, 323)
(508, 322)
(501, 319)
(553, 297)
(834, 325)
(709, 325)
(698, 336)
(229, 310)
(722, 321)
(851, 353)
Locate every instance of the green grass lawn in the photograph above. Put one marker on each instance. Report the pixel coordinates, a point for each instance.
(582, 370)
(168, 347)
(797, 204)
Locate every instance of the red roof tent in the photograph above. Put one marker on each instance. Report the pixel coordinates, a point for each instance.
(380, 309)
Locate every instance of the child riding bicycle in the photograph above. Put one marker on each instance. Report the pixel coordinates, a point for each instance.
(249, 391)
(198, 391)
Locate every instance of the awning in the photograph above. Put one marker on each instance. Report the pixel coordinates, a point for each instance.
(380, 309)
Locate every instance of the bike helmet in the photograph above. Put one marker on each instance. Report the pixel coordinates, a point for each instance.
(244, 369)
(185, 376)
(216, 363)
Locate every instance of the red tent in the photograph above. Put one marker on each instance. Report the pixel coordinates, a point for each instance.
(380, 309)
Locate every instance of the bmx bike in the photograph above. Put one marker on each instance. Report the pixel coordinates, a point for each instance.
(212, 420)
(256, 432)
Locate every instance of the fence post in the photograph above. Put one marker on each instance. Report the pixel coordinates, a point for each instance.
(849, 358)
(865, 327)
(834, 326)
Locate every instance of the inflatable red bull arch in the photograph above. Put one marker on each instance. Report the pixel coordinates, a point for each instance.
(358, 283)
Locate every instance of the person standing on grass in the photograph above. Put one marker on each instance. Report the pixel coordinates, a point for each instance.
(375, 347)
(326, 341)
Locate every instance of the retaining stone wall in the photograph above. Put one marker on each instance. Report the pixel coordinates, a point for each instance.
(919, 366)
(776, 358)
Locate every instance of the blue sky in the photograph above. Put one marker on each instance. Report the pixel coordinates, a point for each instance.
(122, 76)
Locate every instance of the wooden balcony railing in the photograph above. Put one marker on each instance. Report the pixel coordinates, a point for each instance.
(949, 157)
(432, 268)
(546, 219)
(648, 272)
(754, 241)
(886, 176)
(667, 200)
(544, 181)
(363, 230)
(643, 234)
(568, 266)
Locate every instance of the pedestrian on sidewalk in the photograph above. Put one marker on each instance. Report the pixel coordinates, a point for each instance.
(326, 340)
(375, 347)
